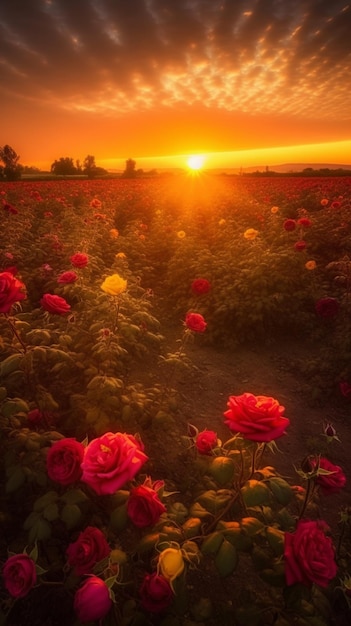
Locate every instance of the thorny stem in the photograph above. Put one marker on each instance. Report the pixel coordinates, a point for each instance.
(222, 513)
(14, 331)
(308, 495)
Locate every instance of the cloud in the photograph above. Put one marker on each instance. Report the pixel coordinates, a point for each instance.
(111, 57)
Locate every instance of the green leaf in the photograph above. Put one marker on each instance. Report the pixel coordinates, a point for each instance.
(10, 364)
(281, 490)
(119, 518)
(222, 469)
(212, 543)
(74, 496)
(226, 559)
(251, 525)
(275, 539)
(71, 515)
(255, 493)
(39, 531)
(191, 527)
(51, 512)
(196, 510)
(147, 543)
(16, 480)
(48, 498)
(13, 407)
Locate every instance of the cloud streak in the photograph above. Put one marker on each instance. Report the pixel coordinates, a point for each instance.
(113, 56)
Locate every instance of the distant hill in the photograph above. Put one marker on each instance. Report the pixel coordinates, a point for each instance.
(284, 168)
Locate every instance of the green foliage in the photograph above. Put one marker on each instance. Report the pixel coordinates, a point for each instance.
(105, 367)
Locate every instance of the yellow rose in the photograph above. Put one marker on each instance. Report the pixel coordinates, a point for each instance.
(250, 234)
(114, 233)
(274, 209)
(171, 563)
(310, 265)
(114, 285)
(121, 255)
(222, 222)
(181, 234)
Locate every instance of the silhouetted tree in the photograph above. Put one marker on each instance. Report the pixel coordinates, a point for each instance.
(11, 169)
(130, 171)
(89, 166)
(63, 167)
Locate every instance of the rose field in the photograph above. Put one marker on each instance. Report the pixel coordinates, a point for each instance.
(175, 393)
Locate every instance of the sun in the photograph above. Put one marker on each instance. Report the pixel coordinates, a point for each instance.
(195, 162)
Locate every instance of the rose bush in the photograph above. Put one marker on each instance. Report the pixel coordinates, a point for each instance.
(12, 290)
(90, 548)
(64, 460)
(111, 461)
(309, 554)
(258, 418)
(19, 575)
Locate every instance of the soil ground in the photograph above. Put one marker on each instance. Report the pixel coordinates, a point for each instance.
(271, 370)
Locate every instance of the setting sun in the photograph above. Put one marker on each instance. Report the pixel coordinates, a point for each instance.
(196, 161)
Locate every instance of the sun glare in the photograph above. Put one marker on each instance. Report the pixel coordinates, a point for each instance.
(195, 162)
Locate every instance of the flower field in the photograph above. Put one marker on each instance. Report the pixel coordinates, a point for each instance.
(95, 277)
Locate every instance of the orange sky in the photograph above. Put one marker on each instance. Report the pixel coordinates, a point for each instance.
(150, 79)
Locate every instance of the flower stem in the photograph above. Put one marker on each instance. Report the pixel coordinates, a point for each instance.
(15, 333)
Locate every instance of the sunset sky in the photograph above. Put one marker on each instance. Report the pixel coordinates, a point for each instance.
(256, 82)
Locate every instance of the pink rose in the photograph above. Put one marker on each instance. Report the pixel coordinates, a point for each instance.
(90, 548)
(67, 277)
(110, 461)
(195, 322)
(330, 483)
(206, 441)
(200, 286)
(92, 600)
(64, 460)
(54, 304)
(144, 507)
(258, 418)
(79, 259)
(11, 291)
(309, 555)
(155, 593)
(19, 575)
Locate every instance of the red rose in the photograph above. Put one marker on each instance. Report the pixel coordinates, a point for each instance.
(305, 222)
(19, 575)
(327, 307)
(206, 441)
(64, 460)
(92, 600)
(195, 322)
(11, 291)
(309, 555)
(258, 418)
(155, 593)
(345, 389)
(54, 304)
(144, 507)
(200, 286)
(67, 277)
(300, 245)
(110, 461)
(79, 259)
(289, 225)
(90, 548)
(330, 483)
